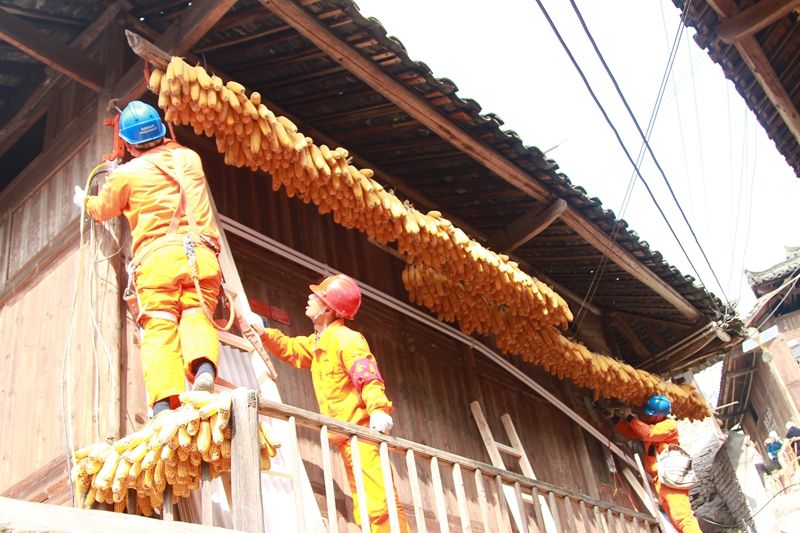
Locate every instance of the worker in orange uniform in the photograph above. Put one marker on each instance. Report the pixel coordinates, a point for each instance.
(658, 430)
(347, 384)
(162, 192)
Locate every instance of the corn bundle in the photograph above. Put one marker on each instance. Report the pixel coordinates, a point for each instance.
(169, 449)
(448, 272)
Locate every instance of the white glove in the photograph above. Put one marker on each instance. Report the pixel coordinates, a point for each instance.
(256, 321)
(112, 165)
(79, 197)
(380, 421)
(626, 412)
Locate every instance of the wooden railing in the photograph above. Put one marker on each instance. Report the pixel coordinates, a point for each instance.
(571, 511)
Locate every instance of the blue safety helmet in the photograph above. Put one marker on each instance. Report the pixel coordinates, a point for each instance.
(658, 406)
(140, 123)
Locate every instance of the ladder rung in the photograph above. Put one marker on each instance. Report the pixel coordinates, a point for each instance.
(508, 449)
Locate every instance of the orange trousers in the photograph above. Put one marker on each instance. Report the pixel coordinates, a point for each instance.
(373, 486)
(678, 508)
(168, 349)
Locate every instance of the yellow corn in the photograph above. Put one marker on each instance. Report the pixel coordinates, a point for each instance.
(171, 472)
(183, 468)
(83, 483)
(150, 458)
(90, 495)
(136, 469)
(214, 452)
(224, 405)
(216, 432)
(193, 426)
(210, 408)
(183, 454)
(169, 429)
(84, 452)
(271, 434)
(106, 474)
(204, 436)
(196, 458)
(225, 448)
(119, 505)
(184, 439)
(265, 460)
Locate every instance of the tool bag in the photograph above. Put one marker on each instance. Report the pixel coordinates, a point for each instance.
(675, 468)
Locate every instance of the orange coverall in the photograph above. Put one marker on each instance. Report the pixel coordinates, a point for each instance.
(149, 197)
(656, 438)
(348, 387)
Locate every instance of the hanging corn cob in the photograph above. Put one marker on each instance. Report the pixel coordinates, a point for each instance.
(449, 273)
(163, 452)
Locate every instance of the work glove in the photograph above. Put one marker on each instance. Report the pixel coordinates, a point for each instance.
(79, 197)
(256, 321)
(627, 414)
(380, 421)
(112, 165)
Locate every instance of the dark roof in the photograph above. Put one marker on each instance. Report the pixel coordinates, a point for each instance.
(776, 272)
(779, 42)
(263, 52)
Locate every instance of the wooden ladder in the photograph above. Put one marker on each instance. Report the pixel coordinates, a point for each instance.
(516, 449)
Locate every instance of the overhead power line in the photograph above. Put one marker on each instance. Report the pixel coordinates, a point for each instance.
(646, 142)
(616, 133)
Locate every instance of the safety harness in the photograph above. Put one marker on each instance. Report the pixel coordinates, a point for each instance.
(184, 207)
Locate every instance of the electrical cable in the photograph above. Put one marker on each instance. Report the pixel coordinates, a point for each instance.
(65, 421)
(794, 283)
(594, 285)
(647, 144)
(700, 144)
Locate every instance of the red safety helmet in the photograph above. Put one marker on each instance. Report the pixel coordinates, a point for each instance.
(340, 293)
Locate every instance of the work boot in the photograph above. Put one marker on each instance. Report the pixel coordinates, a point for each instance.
(204, 382)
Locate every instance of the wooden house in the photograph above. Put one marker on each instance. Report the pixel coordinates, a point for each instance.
(72, 373)
(755, 44)
(761, 378)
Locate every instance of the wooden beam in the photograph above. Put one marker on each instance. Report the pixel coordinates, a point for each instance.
(737, 373)
(429, 115)
(755, 18)
(611, 340)
(762, 70)
(626, 331)
(182, 34)
(526, 227)
(51, 51)
(33, 107)
(653, 334)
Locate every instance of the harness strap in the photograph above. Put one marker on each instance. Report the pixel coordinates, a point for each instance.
(184, 207)
(163, 315)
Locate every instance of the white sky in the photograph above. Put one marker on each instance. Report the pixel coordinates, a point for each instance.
(727, 174)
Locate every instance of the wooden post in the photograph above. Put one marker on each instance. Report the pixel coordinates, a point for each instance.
(570, 515)
(585, 517)
(247, 511)
(361, 494)
(538, 508)
(482, 501)
(523, 523)
(327, 472)
(554, 510)
(463, 507)
(598, 519)
(502, 505)
(206, 509)
(610, 519)
(388, 487)
(416, 496)
(297, 489)
(438, 492)
(132, 501)
(168, 515)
